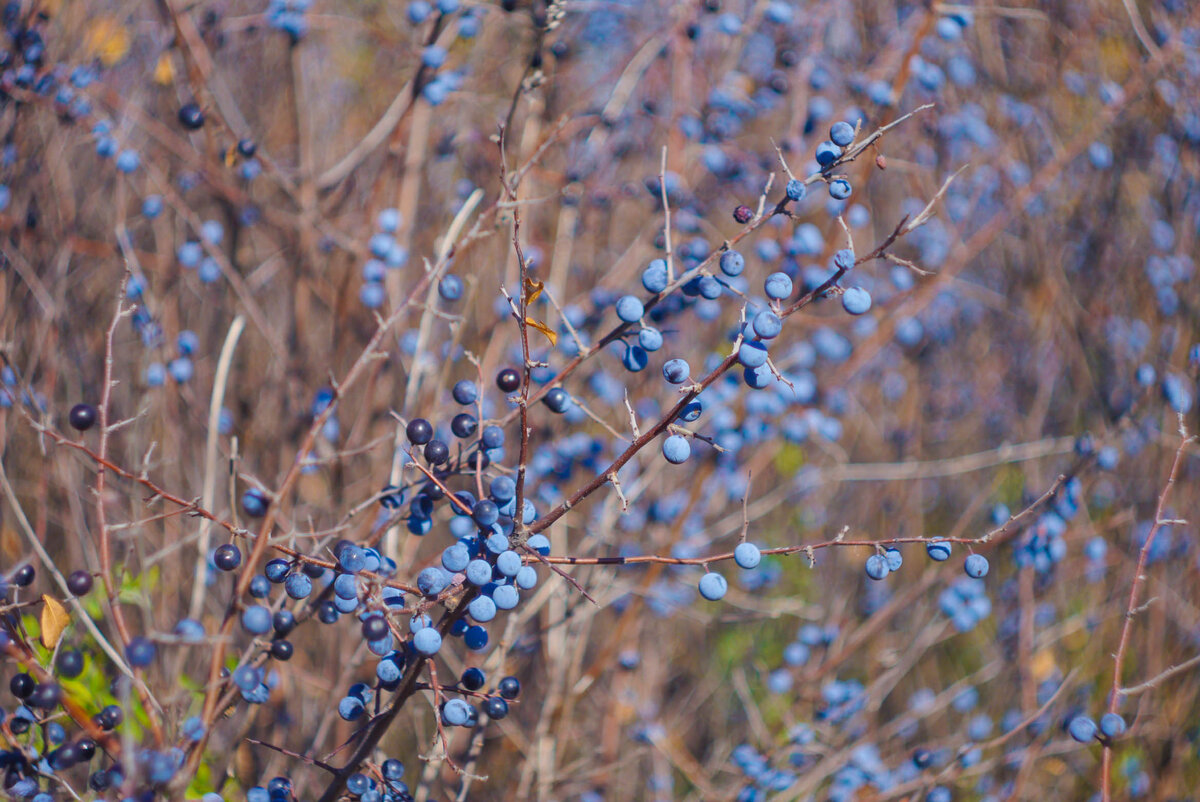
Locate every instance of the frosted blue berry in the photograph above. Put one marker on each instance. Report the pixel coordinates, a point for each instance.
(795, 190)
(767, 325)
(482, 609)
(650, 339)
(713, 587)
(842, 134)
(1112, 725)
(676, 449)
(840, 189)
(976, 566)
(747, 555)
(856, 301)
(752, 354)
(732, 263)
(654, 277)
(778, 286)
(938, 550)
(676, 371)
(1082, 729)
(894, 559)
(256, 619)
(388, 221)
(450, 288)
(372, 295)
(427, 641)
(877, 567)
(635, 358)
(630, 309)
(479, 572)
(827, 153)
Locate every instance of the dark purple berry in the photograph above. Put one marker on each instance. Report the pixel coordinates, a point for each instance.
(495, 707)
(437, 452)
(21, 685)
(419, 431)
(82, 417)
(508, 380)
(79, 583)
(191, 116)
(743, 214)
(282, 650)
(510, 688)
(23, 576)
(227, 557)
(374, 627)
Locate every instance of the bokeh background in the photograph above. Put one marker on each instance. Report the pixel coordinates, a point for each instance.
(1038, 325)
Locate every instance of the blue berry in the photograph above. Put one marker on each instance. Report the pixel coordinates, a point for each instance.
(747, 555)
(450, 288)
(840, 189)
(676, 449)
(465, 392)
(976, 566)
(630, 309)
(842, 134)
(877, 566)
(827, 153)
(767, 325)
(752, 354)
(256, 619)
(650, 339)
(795, 190)
(732, 263)
(778, 286)
(427, 641)
(635, 359)
(254, 503)
(1082, 729)
(856, 301)
(676, 371)
(894, 559)
(654, 277)
(713, 586)
(1112, 725)
(938, 550)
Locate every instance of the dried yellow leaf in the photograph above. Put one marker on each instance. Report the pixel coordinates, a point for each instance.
(55, 619)
(550, 333)
(107, 40)
(164, 70)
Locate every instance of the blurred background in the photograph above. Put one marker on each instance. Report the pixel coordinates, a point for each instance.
(311, 169)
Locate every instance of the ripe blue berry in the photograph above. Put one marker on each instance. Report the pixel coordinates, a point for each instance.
(894, 559)
(938, 550)
(450, 288)
(747, 555)
(254, 503)
(713, 586)
(654, 277)
(752, 354)
(1112, 725)
(676, 449)
(767, 324)
(427, 641)
(877, 567)
(778, 286)
(1082, 729)
(465, 392)
(795, 190)
(256, 619)
(630, 309)
(842, 134)
(827, 153)
(650, 339)
(676, 371)
(732, 263)
(840, 189)
(976, 566)
(856, 301)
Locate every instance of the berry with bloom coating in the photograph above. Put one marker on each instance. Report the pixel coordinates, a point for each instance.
(713, 587)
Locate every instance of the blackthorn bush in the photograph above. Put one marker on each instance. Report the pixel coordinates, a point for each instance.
(564, 400)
